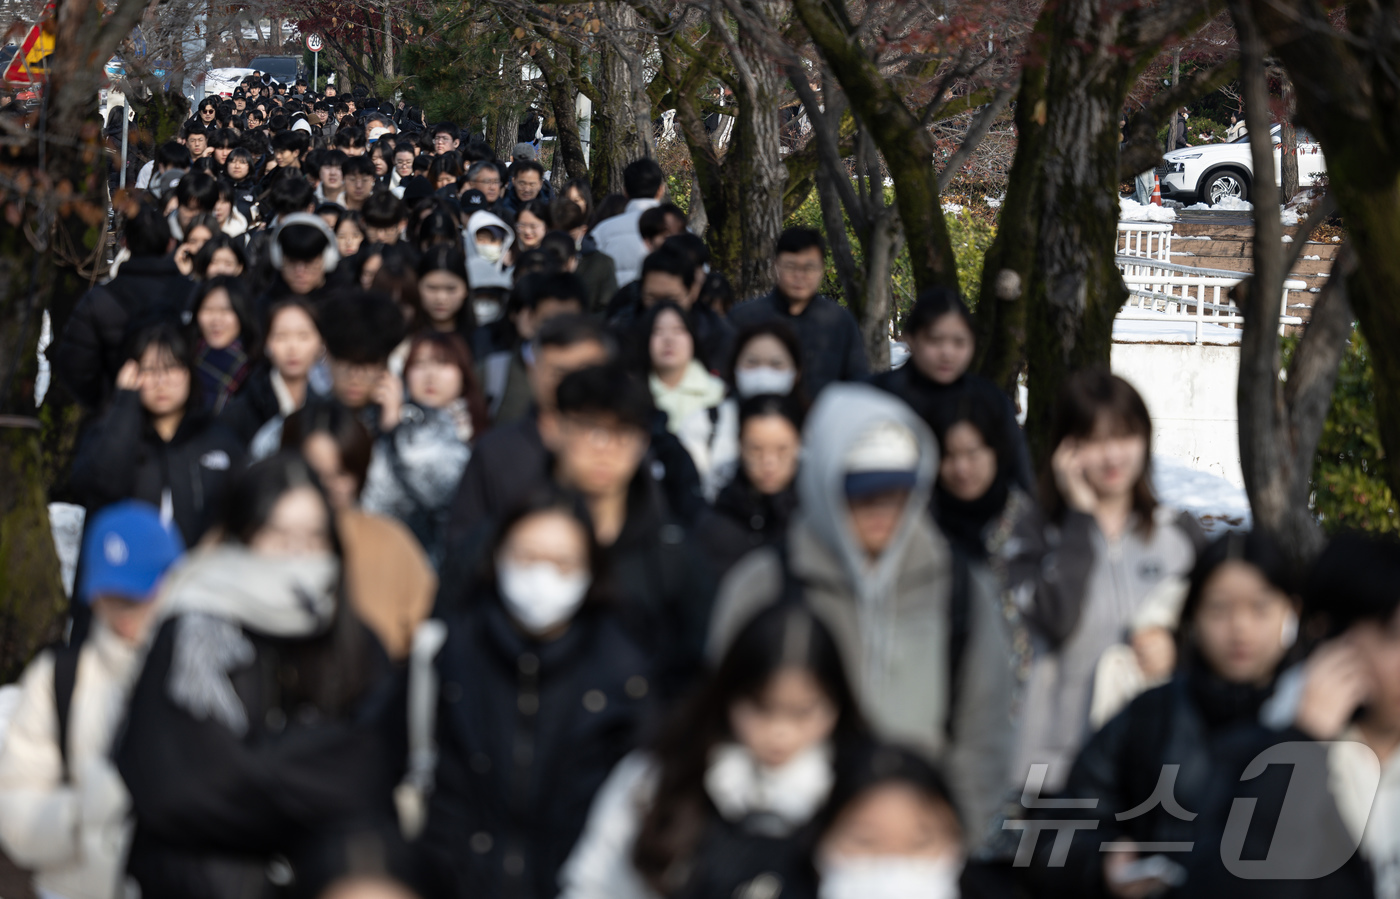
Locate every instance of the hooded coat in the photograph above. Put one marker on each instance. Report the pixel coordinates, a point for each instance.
(484, 219)
(893, 617)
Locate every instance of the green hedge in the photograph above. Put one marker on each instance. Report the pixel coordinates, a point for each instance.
(1349, 491)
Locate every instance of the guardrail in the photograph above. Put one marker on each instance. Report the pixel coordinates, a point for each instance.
(1159, 291)
(1150, 240)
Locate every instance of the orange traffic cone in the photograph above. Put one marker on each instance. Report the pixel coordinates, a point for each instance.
(1156, 190)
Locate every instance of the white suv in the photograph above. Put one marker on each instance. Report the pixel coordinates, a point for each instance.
(1211, 172)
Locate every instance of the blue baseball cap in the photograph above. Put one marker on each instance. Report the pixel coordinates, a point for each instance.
(126, 551)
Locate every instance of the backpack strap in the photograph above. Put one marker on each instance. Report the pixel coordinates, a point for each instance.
(65, 678)
(959, 630)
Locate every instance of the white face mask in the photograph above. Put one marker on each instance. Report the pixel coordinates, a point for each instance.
(758, 381)
(491, 252)
(540, 597)
(487, 311)
(889, 877)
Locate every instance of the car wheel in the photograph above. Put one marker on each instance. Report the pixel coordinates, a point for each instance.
(1225, 184)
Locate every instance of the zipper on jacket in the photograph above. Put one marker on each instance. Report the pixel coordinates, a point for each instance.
(527, 706)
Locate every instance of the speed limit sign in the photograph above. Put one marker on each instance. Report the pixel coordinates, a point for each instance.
(313, 43)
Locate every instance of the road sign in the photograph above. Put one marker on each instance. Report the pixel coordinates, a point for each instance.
(31, 64)
(313, 43)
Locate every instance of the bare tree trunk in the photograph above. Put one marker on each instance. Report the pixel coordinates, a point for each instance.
(569, 160)
(1055, 250)
(1288, 147)
(44, 239)
(1343, 83)
(388, 39)
(617, 140)
(1280, 424)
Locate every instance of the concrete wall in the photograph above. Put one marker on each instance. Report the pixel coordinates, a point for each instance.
(1190, 393)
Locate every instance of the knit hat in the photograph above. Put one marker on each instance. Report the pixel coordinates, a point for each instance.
(523, 151)
(126, 551)
(884, 459)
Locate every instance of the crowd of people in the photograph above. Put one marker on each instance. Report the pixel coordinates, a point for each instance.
(453, 534)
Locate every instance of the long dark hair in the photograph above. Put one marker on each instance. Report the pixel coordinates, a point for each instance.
(447, 257)
(1086, 396)
(329, 671)
(786, 635)
(249, 334)
(1254, 548)
(642, 336)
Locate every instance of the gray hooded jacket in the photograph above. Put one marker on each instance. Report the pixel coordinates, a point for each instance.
(890, 616)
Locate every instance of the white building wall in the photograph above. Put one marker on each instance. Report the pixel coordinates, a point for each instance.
(1190, 394)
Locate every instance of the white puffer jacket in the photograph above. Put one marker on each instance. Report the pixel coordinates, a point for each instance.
(73, 835)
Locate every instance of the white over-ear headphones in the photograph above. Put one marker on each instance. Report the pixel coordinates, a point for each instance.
(330, 258)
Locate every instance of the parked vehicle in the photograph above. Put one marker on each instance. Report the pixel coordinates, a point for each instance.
(1211, 172)
(223, 82)
(285, 69)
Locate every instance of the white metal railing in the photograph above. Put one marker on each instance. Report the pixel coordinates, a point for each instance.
(1165, 291)
(1150, 240)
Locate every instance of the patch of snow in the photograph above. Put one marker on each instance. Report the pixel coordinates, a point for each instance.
(1314, 258)
(1287, 239)
(899, 354)
(995, 202)
(1174, 253)
(1288, 216)
(1336, 240)
(1233, 204)
(66, 522)
(952, 209)
(1132, 211)
(1199, 207)
(1192, 237)
(1219, 505)
(1314, 290)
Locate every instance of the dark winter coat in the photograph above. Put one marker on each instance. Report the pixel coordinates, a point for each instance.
(213, 810)
(253, 406)
(598, 273)
(93, 346)
(1209, 731)
(832, 347)
(527, 732)
(507, 465)
(663, 587)
(741, 521)
(122, 457)
(936, 403)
